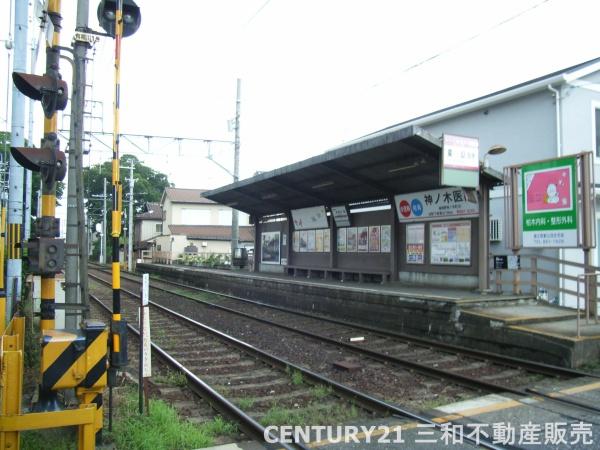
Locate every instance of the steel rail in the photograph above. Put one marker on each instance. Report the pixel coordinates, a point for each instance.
(531, 366)
(366, 400)
(424, 369)
(250, 426)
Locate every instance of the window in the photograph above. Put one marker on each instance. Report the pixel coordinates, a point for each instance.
(597, 128)
(495, 230)
(159, 227)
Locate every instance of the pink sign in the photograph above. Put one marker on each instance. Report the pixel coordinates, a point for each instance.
(549, 190)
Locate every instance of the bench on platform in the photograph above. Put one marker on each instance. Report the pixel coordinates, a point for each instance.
(327, 273)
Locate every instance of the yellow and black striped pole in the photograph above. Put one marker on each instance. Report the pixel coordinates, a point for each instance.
(116, 182)
(2, 286)
(49, 189)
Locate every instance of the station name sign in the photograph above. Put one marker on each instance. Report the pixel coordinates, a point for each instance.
(437, 204)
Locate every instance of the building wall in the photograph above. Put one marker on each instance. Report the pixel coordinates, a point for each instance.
(527, 127)
(147, 229)
(213, 214)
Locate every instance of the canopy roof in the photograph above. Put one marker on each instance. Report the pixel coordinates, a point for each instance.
(368, 169)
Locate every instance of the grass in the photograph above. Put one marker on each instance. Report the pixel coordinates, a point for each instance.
(55, 439)
(435, 402)
(295, 375)
(314, 413)
(320, 391)
(162, 429)
(592, 367)
(245, 403)
(171, 378)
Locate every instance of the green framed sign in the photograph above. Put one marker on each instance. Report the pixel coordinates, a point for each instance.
(549, 190)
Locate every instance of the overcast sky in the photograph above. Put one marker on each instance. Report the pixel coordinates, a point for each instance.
(315, 73)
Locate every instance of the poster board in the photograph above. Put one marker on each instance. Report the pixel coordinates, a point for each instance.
(327, 240)
(310, 239)
(306, 218)
(450, 243)
(303, 241)
(341, 240)
(351, 239)
(270, 249)
(319, 241)
(296, 241)
(362, 239)
(374, 239)
(415, 243)
(549, 190)
(386, 238)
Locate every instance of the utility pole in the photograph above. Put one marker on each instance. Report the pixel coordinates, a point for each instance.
(130, 219)
(76, 242)
(103, 237)
(16, 171)
(235, 227)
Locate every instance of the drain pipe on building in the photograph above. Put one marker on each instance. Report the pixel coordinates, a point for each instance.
(561, 251)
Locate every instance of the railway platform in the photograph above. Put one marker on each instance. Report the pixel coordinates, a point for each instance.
(514, 325)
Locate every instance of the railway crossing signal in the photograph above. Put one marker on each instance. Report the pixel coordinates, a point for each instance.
(107, 13)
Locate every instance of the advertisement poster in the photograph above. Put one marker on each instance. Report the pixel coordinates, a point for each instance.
(415, 243)
(451, 243)
(437, 204)
(303, 241)
(374, 242)
(550, 203)
(341, 240)
(310, 239)
(327, 240)
(306, 218)
(363, 239)
(319, 240)
(269, 249)
(386, 238)
(296, 241)
(351, 239)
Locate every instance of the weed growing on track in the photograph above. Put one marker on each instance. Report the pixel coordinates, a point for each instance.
(314, 413)
(171, 378)
(162, 429)
(245, 403)
(296, 375)
(320, 391)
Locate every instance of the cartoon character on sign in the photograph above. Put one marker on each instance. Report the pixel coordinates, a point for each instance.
(552, 194)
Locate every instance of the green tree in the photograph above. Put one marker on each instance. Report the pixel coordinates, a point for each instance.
(148, 187)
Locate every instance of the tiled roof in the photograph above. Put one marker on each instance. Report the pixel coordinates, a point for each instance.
(177, 195)
(212, 232)
(153, 212)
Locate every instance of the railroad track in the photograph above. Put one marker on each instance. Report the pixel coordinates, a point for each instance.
(468, 368)
(251, 386)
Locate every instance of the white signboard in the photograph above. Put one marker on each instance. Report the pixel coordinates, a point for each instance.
(146, 347)
(307, 218)
(451, 243)
(340, 214)
(460, 161)
(436, 204)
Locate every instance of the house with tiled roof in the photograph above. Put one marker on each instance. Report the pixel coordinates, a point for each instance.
(189, 220)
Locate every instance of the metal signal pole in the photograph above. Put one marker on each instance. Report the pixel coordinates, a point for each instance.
(235, 228)
(16, 171)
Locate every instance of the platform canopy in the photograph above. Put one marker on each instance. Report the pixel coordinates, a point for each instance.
(367, 169)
